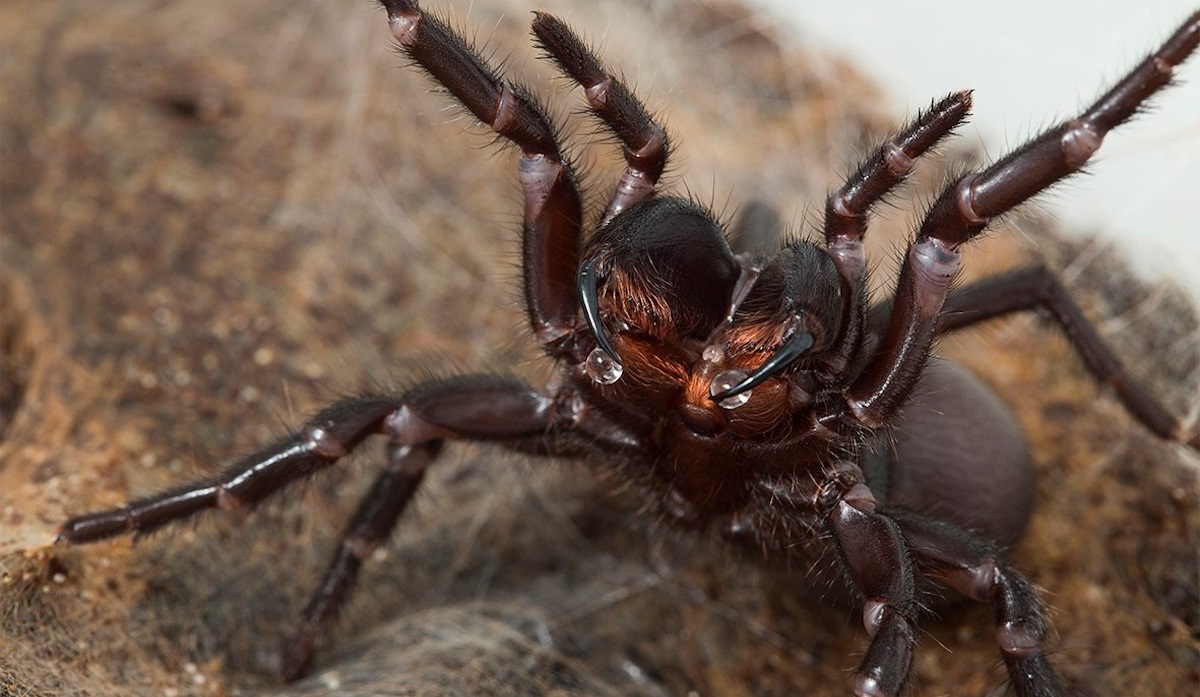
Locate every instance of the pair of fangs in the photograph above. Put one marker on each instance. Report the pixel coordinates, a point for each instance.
(729, 388)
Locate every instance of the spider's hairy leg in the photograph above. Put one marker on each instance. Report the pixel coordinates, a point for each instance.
(1037, 287)
(878, 559)
(879, 564)
(644, 141)
(848, 210)
(976, 570)
(968, 205)
(553, 208)
(327, 438)
(371, 525)
(479, 407)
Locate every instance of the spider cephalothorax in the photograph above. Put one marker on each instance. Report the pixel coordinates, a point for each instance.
(697, 331)
(743, 383)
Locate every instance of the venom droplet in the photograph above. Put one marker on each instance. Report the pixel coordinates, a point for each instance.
(725, 380)
(602, 369)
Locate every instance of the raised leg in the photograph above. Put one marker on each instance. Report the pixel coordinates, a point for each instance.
(553, 211)
(848, 210)
(489, 408)
(977, 570)
(969, 204)
(644, 142)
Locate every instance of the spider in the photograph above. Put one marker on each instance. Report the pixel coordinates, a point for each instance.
(744, 384)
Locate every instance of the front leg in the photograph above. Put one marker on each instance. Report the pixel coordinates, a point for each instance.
(553, 207)
(479, 408)
(644, 142)
(966, 208)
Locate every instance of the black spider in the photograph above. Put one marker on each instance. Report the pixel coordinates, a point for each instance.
(749, 388)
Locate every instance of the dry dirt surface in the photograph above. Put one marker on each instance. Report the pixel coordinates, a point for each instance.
(217, 216)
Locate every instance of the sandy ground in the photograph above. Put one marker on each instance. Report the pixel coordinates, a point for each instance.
(219, 216)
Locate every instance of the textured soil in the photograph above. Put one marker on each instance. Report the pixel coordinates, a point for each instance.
(217, 216)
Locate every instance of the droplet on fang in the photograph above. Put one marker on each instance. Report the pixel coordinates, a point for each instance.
(725, 380)
(601, 368)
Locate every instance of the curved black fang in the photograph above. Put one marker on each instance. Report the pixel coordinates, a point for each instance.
(795, 347)
(590, 298)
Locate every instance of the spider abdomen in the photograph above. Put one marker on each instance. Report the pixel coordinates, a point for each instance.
(956, 454)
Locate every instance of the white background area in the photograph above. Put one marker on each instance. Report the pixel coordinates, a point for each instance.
(1031, 64)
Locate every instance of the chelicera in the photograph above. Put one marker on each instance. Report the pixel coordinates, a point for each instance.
(742, 382)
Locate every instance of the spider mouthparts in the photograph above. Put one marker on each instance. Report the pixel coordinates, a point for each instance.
(587, 282)
(795, 347)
